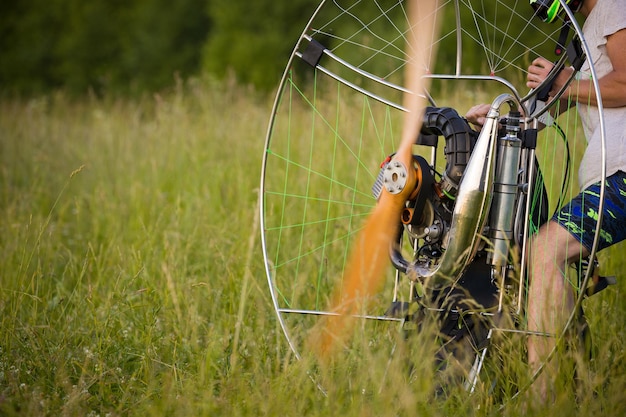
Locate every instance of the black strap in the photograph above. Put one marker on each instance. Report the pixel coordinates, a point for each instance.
(575, 54)
(560, 44)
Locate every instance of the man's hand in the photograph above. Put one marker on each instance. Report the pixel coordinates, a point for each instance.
(539, 70)
(477, 115)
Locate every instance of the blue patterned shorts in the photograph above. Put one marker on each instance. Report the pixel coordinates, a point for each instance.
(580, 215)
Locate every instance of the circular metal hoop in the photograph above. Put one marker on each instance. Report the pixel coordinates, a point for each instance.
(337, 116)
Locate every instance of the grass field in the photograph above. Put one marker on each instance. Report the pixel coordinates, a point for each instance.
(131, 276)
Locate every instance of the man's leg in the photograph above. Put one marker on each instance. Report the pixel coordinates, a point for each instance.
(551, 297)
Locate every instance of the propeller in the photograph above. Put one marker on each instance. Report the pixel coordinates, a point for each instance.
(365, 270)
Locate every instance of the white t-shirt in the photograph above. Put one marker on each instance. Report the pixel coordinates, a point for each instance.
(606, 18)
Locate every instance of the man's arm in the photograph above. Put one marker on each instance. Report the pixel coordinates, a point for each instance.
(612, 85)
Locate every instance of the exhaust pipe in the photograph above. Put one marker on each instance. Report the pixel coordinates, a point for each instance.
(471, 207)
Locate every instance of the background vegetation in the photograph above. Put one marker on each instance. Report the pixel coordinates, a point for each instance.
(131, 280)
(135, 46)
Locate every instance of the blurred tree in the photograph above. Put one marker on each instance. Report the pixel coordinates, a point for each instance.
(89, 47)
(99, 44)
(136, 45)
(169, 37)
(27, 43)
(253, 38)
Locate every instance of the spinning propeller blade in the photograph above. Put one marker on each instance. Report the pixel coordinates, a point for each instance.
(364, 272)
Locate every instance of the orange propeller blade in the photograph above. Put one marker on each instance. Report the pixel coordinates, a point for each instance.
(364, 273)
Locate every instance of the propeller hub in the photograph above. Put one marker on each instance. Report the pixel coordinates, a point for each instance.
(395, 177)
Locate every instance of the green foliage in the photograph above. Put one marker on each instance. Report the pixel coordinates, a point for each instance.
(253, 39)
(115, 45)
(117, 244)
(27, 44)
(144, 45)
(170, 36)
(129, 259)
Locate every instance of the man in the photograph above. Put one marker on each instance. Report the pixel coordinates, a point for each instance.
(568, 236)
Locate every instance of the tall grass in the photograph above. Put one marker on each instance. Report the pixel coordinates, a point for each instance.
(131, 280)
